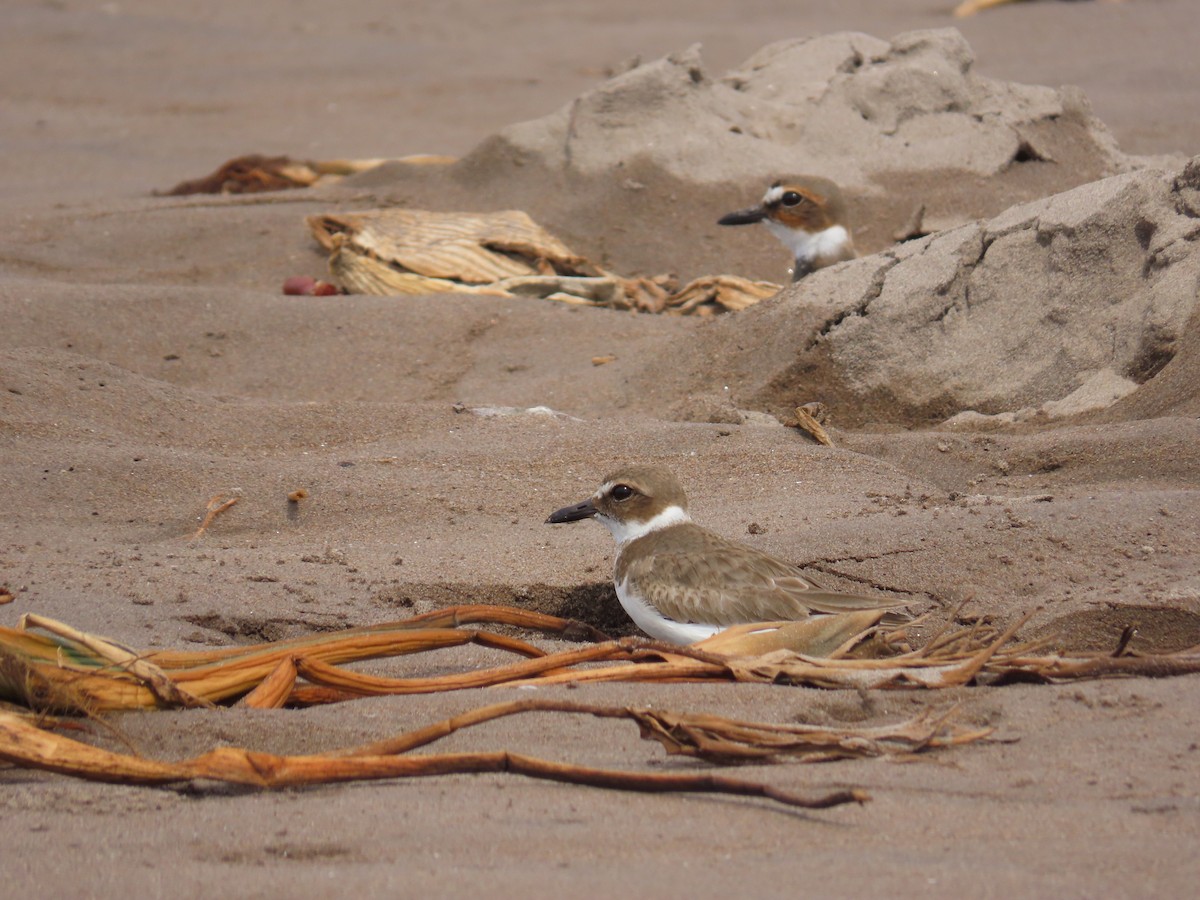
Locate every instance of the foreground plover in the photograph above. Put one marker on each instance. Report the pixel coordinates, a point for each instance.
(809, 216)
(682, 583)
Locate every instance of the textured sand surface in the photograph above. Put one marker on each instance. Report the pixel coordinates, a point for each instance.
(148, 361)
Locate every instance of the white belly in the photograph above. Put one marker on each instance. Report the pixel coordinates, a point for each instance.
(819, 248)
(655, 624)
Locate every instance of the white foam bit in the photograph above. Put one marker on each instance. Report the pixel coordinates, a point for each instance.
(492, 412)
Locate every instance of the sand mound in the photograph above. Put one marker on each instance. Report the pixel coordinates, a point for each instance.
(634, 173)
(1054, 307)
(847, 105)
(1057, 307)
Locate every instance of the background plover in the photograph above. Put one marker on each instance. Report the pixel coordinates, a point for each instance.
(808, 215)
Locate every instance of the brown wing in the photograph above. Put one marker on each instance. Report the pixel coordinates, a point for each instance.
(722, 583)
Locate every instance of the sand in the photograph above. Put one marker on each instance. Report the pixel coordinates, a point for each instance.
(149, 360)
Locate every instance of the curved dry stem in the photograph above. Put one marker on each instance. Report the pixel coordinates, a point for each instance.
(329, 676)
(25, 745)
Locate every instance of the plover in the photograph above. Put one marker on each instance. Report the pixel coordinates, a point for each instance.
(682, 583)
(808, 215)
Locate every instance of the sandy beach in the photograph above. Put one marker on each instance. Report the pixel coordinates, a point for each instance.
(1014, 400)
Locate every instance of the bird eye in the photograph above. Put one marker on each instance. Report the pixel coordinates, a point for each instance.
(621, 492)
(791, 198)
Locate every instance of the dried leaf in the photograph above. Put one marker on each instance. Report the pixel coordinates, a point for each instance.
(726, 292)
(412, 252)
(464, 248)
(806, 421)
(255, 173)
(815, 636)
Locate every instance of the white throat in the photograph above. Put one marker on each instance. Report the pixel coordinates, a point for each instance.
(807, 246)
(624, 532)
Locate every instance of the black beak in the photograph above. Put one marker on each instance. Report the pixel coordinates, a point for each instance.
(584, 510)
(743, 216)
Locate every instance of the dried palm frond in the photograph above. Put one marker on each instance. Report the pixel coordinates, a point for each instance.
(415, 251)
(101, 675)
(71, 671)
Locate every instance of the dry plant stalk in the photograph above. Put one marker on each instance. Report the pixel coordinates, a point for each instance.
(273, 691)
(25, 683)
(40, 696)
(83, 673)
(28, 746)
(371, 685)
(169, 693)
(714, 738)
(80, 669)
(812, 653)
(217, 504)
